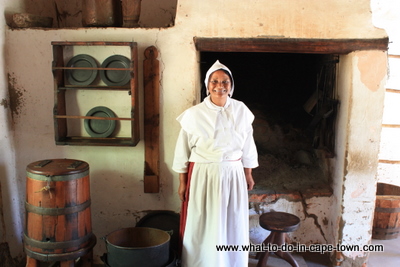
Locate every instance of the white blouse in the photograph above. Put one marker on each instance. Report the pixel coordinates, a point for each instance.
(211, 133)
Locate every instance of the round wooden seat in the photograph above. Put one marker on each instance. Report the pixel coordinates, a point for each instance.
(279, 223)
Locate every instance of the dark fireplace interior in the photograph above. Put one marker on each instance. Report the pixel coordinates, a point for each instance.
(294, 102)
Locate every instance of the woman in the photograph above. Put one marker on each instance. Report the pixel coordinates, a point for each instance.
(214, 156)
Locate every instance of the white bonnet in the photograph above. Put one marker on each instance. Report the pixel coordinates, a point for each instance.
(218, 66)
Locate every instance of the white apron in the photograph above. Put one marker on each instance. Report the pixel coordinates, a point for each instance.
(217, 214)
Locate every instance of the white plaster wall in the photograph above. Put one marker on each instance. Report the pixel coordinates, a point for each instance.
(10, 221)
(288, 18)
(116, 173)
(386, 15)
(357, 139)
(361, 103)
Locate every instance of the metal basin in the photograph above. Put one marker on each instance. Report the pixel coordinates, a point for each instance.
(138, 246)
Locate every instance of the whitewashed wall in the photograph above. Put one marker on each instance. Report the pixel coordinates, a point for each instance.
(387, 16)
(10, 219)
(363, 90)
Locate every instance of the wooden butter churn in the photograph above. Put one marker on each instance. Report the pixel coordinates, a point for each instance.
(58, 217)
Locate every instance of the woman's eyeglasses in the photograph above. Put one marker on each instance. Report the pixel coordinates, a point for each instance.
(223, 83)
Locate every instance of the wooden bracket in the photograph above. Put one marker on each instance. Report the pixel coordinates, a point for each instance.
(151, 80)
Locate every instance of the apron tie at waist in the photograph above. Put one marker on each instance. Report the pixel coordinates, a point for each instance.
(234, 159)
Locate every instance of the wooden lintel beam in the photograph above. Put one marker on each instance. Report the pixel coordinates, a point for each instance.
(289, 45)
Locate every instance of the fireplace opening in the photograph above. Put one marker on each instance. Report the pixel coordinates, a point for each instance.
(293, 97)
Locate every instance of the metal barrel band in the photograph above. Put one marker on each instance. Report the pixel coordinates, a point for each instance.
(62, 256)
(387, 210)
(389, 231)
(56, 245)
(57, 178)
(57, 211)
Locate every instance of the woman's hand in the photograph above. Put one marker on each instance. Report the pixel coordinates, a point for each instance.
(249, 178)
(182, 186)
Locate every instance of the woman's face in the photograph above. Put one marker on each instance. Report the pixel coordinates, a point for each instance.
(219, 85)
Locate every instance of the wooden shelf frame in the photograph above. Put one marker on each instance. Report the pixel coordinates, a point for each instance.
(60, 105)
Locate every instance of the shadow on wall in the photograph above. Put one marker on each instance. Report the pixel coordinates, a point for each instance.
(68, 14)
(5, 256)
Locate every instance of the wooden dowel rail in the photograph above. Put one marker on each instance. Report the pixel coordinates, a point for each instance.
(92, 118)
(391, 125)
(87, 138)
(391, 90)
(91, 43)
(92, 68)
(94, 87)
(387, 161)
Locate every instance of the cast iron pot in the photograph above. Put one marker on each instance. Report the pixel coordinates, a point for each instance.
(137, 246)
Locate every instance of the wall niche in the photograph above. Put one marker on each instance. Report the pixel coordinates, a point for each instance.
(68, 14)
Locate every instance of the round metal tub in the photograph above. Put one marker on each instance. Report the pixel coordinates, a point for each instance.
(138, 246)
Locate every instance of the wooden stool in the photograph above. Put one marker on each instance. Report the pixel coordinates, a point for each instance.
(279, 223)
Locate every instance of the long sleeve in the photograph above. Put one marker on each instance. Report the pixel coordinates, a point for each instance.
(250, 155)
(182, 153)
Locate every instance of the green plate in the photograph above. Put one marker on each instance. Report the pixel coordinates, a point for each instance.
(80, 76)
(100, 128)
(116, 77)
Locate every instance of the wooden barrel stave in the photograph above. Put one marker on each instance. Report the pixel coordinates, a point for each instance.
(386, 223)
(60, 226)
